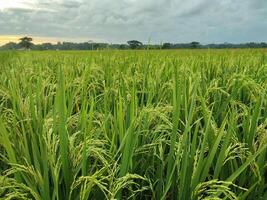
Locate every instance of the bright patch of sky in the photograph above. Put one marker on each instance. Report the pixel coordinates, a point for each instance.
(7, 4)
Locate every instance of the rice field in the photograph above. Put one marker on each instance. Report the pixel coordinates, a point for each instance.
(177, 124)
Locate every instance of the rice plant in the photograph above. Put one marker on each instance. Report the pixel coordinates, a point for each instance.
(183, 124)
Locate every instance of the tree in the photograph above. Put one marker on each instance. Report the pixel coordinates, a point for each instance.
(10, 46)
(91, 42)
(166, 46)
(46, 46)
(26, 42)
(134, 44)
(195, 44)
(122, 46)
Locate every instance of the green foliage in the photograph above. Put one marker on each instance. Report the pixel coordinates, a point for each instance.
(134, 44)
(133, 125)
(25, 42)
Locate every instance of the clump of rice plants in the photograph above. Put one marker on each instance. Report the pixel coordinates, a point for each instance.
(189, 124)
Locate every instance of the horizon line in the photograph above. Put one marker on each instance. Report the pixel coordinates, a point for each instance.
(5, 39)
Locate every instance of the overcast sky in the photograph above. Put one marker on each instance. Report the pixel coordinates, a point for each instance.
(206, 21)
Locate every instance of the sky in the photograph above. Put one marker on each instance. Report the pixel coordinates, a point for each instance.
(116, 21)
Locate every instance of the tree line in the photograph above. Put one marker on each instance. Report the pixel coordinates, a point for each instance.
(26, 43)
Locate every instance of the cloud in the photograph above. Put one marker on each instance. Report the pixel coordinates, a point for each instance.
(162, 20)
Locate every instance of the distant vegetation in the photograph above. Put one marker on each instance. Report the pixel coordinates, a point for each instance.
(26, 43)
(134, 44)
